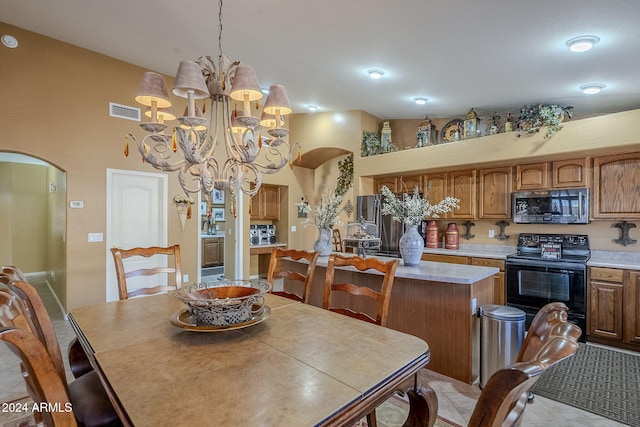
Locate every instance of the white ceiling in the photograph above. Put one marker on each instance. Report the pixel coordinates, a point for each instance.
(494, 55)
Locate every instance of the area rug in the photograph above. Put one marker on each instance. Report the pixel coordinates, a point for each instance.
(17, 413)
(598, 380)
(393, 413)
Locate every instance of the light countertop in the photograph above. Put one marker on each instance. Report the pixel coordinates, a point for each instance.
(478, 251)
(614, 259)
(209, 236)
(431, 271)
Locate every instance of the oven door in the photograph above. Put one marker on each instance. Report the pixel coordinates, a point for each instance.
(536, 283)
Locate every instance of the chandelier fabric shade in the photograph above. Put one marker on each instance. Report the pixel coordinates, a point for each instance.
(153, 89)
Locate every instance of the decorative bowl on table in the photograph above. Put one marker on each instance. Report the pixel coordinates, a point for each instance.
(224, 302)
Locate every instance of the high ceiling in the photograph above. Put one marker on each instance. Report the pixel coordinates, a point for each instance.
(493, 56)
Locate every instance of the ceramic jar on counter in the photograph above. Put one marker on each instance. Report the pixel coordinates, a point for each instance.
(452, 237)
(433, 235)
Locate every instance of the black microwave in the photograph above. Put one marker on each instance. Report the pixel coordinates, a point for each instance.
(568, 206)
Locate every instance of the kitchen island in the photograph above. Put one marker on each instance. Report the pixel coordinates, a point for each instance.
(434, 301)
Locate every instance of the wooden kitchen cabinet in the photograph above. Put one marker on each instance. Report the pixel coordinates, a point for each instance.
(499, 289)
(494, 188)
(616, 187)
(614, 307)
(436, 185)
(632, 308)
(534, 176)
(390, 181)
(409, 183)
(212, 251)
(570, 173)
(266, 203)
(605, 303)
(462, 185)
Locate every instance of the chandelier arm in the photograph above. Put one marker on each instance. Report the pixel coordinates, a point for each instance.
(160, 145)
(283, 157)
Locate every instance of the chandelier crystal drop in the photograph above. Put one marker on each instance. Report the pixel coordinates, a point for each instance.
(189, 148)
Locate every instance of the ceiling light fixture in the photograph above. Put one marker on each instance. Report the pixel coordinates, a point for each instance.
(9, 41)
(592, 88)
(582, 43)
(190, 151)
(421, 101)
(375, 73)
(312, 108)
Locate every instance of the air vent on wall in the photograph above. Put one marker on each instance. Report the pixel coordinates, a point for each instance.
(124, 111)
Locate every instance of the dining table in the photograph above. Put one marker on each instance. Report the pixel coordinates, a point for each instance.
(297, 365)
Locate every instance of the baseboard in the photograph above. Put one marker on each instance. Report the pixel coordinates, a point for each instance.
(55, 296)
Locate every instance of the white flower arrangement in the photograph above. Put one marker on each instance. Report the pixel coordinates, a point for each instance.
(413, 209)
(324, 215)
(183, 199)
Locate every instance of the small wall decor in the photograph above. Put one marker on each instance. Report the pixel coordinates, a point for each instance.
(471, 125)
(624, 239)
(217, 214)
(217, 197)
(426, 133)
(348, 208)
(501, 236)
(183, 205)
(302, 207)
(467, 234)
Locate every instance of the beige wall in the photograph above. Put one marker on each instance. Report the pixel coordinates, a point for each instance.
(55, 107)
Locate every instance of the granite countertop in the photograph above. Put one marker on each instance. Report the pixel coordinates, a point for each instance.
(270, 245)
(217, 234)
(427, 270)
(479, 251)
(614, 259)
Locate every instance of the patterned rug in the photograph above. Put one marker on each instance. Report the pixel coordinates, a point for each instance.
(598, 380)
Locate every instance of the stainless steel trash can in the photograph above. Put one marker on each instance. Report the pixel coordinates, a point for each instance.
(501, 336)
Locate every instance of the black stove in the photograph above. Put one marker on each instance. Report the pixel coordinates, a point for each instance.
(549, 268)
(552, 248)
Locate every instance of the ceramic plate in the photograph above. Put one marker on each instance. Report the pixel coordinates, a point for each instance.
(448, 132)
(183, 319)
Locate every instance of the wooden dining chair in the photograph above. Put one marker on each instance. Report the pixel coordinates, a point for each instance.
(352, 304)
(122, 274)
(292, 278)
(24, 312)
(78, 361)
(337, 241)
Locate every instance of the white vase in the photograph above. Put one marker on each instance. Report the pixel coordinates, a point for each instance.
(324, 243)
(411, 246)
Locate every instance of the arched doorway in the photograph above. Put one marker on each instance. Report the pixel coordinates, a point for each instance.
(33, 211)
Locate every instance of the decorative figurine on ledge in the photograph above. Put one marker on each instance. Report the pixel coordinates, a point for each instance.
(426, 133)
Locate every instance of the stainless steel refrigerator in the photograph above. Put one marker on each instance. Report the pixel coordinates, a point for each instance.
(369, 208)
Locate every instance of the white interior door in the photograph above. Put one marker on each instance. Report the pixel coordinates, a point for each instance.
(136, 217)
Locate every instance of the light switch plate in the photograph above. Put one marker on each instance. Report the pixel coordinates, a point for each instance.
(95, 237)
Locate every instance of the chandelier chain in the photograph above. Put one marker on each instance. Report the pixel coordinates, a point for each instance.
(220, 27)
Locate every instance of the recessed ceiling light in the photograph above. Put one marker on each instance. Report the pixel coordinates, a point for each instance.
(375, 73)
(582, 43)
(312, 108)
(421, 101)
(592, 88)
(9, 41)
(264, 91)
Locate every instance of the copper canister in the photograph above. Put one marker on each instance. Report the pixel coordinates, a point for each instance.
(452, 237)
(433, 237)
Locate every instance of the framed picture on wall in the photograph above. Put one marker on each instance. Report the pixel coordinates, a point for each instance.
(217, 214)
(217, 197)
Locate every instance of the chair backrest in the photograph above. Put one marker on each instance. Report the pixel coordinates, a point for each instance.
(337, 241)
(549, 321)
(505, 395)
(274, 271)
(122, 274)
(22, 307)
(380, 298)
(45, 384)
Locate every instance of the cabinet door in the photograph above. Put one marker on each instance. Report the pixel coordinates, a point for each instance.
(436, 188)
(605, 309)
(495, 192)
(616, 186)
(499, 291)
(451, 259)
(462, 185)
(390, 181)
(632, 308)
(409, 183)
(532, 177)
(570, 173)
(211, 252)
(270, 202)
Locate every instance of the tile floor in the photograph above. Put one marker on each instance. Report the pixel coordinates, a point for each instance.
(456, 400)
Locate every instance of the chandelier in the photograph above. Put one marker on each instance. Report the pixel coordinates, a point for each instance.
(189, 148)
